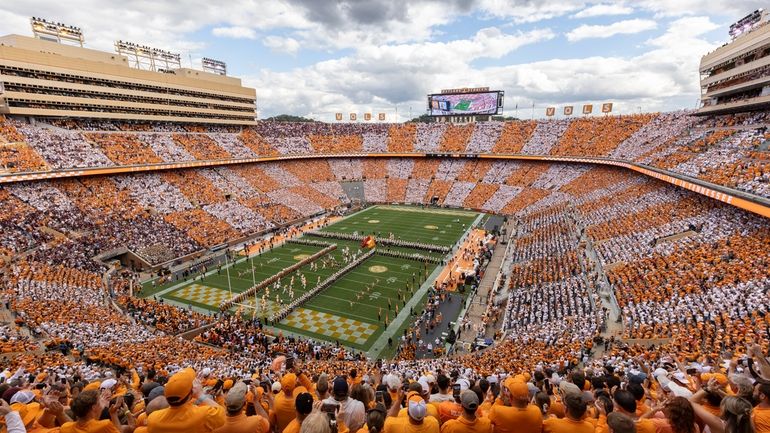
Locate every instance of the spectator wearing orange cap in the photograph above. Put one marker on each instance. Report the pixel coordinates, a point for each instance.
(182, 392)
(416, 420)
(513, 413)
(284, 409)
(468, 422)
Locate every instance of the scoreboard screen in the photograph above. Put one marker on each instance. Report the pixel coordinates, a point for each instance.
(465, 104)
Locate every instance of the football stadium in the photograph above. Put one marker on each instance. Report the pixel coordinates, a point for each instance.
(172, 262)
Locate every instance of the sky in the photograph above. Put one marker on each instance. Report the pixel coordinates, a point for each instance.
(315, 58)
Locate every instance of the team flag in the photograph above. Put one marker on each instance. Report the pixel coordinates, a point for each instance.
(368, 242)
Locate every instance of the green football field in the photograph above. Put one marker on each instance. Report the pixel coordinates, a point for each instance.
(409, 223)
(354, 310)
(463, 105)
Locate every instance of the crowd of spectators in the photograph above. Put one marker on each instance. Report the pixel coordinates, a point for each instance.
(708, 148)
(401, 137)
(484, 137)
(167, 318)
(63, 149)
(693, 272)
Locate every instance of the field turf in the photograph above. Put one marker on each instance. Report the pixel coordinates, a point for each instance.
(371, 287)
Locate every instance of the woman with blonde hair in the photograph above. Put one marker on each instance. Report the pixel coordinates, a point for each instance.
(735, 416)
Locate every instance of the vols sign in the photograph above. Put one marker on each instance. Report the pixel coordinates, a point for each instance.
(568, 110)
(381, 117)
(550, 111)
(353, 117)
(338, 116)
(367, 116)
(588, 108)
(607, 107)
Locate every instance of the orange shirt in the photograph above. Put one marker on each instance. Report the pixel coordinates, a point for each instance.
(761, 418)
(293, 427)
(187, 418)
(642, 425)
(508, 419)
(663, 426)
(566, 425)
(641, 408)
(448, 410)
(431, 411)
(404, 425)
(244, 424)
(91, 426)
(462, 425)
(284, 409)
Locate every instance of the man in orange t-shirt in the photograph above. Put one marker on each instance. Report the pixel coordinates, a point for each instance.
(87, 407)
(468, 422)
(236, 420)
(182, 391)
(624, 403)
(284, 409)
(520, 417)
(573, 422)
(761, 413)
(303, 405)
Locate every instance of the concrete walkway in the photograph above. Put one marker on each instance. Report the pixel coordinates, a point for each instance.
(448, 309)
(481, 299)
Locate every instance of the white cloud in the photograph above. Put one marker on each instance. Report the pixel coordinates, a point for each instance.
(528, 11)
(162, 23)
(395, 53)
(235, 32)
(377, 78)
(734, 9)
(604, 9)
(281, 45)
(621, 27)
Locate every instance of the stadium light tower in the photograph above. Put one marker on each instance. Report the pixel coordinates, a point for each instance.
(214, 66)
(148, 58)
(56, 32)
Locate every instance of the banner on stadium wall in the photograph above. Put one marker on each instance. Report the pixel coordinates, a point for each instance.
(381, 116)
(607, 107)
(550, 111)
(367, 116)
(353, 117)
(588, 109)
(338, 116)
(568, 110)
